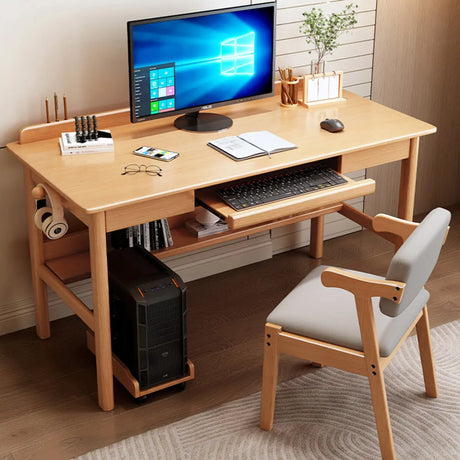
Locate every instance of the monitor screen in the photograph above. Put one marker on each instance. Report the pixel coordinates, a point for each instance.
(192, 62)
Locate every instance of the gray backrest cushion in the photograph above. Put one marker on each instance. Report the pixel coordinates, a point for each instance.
(416, 258)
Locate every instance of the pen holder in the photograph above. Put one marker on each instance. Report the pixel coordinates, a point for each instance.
(289, 92)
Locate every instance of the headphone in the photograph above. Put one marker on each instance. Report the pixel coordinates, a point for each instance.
(50, 220)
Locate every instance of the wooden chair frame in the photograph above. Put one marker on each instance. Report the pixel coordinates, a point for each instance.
(366, 363)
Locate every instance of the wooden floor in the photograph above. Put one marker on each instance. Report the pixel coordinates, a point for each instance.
(48, 399)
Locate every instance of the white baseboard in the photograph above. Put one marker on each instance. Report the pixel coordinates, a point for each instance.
(21, 314)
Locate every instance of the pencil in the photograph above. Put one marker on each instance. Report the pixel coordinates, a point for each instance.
(47, 107)
(56, 107)
(64, 99)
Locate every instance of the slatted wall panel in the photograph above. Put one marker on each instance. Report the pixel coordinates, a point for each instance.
(354, 57)
(355, 52)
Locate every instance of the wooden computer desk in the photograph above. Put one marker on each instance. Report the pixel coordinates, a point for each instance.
(92, 188)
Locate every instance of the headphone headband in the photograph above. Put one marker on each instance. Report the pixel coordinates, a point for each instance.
(50, 220)
(55, 201)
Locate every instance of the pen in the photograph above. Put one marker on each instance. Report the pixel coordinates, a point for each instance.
(95, 133)
(269, 156)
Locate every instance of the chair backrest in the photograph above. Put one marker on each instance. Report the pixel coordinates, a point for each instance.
(416, 258)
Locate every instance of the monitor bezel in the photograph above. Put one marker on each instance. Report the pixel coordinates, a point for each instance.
(198, 108)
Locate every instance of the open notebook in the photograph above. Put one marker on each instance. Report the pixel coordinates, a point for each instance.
(250, 145)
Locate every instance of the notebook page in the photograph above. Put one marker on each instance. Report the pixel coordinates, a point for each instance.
(267, 141)
(236, 147)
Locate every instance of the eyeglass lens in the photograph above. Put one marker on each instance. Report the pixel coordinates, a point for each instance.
(150, 169)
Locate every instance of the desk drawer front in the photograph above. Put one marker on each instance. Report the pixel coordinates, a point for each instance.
(284, 208)
(147, 211)
(374, 156)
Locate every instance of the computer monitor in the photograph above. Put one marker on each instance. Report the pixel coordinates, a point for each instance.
(193, 62)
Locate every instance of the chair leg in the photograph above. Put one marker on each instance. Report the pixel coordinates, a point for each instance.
(382, 415)
(426, 354)
(270, 376)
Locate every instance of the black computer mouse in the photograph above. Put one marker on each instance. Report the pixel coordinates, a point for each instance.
(332, 125)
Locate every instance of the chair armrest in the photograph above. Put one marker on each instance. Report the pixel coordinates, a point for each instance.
(398, 227)
(362, 286)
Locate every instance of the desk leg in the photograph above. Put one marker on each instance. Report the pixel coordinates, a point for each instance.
(407, 182)
(101, 311)
(37, 258)
(316, 237)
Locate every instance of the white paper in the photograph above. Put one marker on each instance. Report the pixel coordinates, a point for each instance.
(333, 86)
(312, 90)
(323, 88)
(267, 141)
(236, 147)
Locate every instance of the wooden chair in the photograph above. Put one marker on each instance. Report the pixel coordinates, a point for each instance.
(356, 322)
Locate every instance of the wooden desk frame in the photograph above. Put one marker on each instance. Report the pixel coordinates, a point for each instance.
(39, 142)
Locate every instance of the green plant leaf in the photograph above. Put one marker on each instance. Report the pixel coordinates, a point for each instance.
(323, 31)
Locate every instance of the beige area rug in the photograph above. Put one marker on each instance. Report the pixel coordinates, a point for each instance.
(326, 414)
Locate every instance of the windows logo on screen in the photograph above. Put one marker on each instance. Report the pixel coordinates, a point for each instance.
(237, 55)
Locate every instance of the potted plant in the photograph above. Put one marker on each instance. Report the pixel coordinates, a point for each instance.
(323, 31)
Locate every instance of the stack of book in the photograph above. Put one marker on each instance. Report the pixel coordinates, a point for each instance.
(199, 230)
(151, 235)
(70, 146)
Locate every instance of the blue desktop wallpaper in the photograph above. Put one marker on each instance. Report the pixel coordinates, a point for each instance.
(217, 58)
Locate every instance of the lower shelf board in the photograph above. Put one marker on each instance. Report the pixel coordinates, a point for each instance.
(124, 376)
(71, 268)
(76, 267)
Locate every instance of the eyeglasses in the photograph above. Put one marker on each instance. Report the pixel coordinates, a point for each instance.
(151, 170)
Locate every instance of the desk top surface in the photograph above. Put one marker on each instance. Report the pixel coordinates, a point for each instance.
(94, 182)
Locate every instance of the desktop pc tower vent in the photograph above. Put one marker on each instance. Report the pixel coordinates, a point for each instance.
(148, 316)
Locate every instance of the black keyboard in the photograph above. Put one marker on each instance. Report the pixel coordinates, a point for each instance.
(278, 186)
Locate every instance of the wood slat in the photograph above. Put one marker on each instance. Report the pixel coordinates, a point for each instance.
(53, 281)
(321, 352)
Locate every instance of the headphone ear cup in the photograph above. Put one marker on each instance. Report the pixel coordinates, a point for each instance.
(41, 215)
(54, 228)
(51, 220)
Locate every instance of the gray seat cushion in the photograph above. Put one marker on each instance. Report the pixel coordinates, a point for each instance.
(329, 314)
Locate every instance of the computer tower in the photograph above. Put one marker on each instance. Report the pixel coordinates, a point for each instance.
(148, 316)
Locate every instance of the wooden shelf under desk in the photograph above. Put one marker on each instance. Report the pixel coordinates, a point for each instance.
(68, 257)
(71, 268)
(185, 242)
(75, 267)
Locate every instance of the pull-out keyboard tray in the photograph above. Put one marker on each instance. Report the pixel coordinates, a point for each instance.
(259, 212)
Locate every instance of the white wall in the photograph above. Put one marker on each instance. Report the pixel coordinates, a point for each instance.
(79, 49)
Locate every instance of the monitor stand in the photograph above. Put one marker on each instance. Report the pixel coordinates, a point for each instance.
(203, 122)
